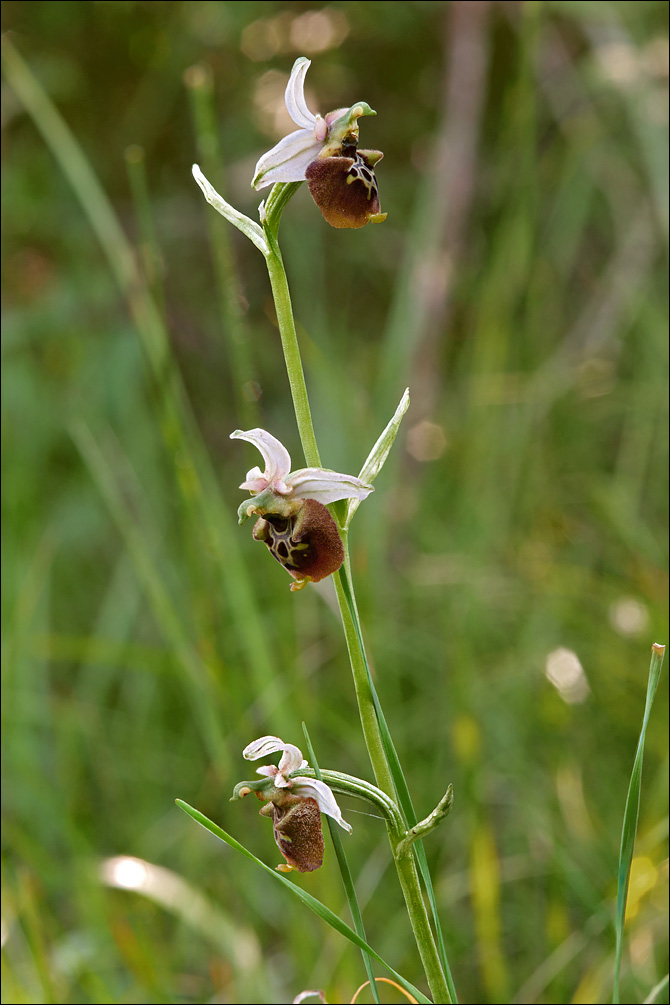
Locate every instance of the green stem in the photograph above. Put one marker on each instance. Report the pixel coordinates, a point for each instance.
(423, 933)
(405, 864)
(303, 414)
(366, 706)
(289, 341)
(277, 200)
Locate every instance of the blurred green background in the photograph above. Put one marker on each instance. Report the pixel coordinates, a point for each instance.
(510, 567)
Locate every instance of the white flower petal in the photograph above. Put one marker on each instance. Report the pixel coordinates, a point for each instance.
(324, 797)
(288, 160)
(294, 97)
(261, 747)
(254, 485)
(254, 474)
(277, 461)
(255, 481)
(326, 486)
(268, 769)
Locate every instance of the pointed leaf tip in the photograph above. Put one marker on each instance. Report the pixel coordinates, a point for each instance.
(377, 456)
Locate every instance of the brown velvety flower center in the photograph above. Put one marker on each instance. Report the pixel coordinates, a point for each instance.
(344, 188)
(307, 543)
(296, 822)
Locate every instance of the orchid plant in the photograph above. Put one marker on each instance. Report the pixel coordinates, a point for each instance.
(311, 541)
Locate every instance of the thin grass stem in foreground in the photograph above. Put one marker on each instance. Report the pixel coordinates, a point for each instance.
(631, 814)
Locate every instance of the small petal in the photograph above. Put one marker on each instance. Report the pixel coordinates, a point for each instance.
(326, 486)
(288, 159)
(276, 456)
(255, 474)
(324, 797)
(255, 481)
(320, 129)
(269, 770)
(294, 97)
(257, 485)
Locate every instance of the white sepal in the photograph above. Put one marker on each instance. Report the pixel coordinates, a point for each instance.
(324, 797)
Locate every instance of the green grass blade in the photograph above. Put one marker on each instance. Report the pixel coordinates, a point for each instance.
(135, 537)
(196, 480)
(345, 872)
(148, 247)
(311, 902)
(631, 814)
(657, 990)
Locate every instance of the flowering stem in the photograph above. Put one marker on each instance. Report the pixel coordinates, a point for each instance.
(405, 863)
(364, 697)
(423, 933)
(282, 298)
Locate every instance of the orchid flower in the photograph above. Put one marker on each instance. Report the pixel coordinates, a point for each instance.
(324, 152)
(293, 520)
(295, 805)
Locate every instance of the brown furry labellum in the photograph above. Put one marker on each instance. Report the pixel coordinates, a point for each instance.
(296, 822)
(307, 543)
(345, 188)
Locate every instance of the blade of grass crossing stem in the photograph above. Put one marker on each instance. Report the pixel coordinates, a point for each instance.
(402, 789)
(631, 814)
(311, 902)
(345, 872)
